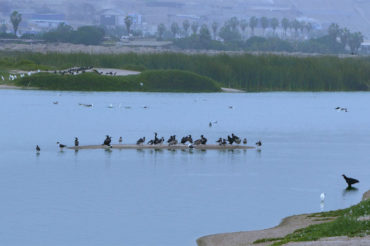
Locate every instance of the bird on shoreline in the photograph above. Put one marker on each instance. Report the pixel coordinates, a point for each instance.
(76, 142)
(322, 197)
(61, 146)
(245, 141)
(107, 140)
(140, 141)
(120, 140)
(38, 149)
(350, 181)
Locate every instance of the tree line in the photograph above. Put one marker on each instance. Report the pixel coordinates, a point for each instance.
(233, 36)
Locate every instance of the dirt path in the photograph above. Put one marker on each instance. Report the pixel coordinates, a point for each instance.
(287, 226)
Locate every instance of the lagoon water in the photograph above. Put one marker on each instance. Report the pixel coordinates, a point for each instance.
(170, 198)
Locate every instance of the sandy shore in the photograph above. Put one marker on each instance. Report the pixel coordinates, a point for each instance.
(231, 90)
(287, 226)
(10, 87)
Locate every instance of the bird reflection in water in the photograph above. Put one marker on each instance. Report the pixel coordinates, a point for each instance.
(349, 191)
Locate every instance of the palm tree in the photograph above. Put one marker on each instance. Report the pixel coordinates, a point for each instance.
(233, 23)
(309, 28)
(128, 23)
(15, 19)
(274, 24)
(264, 24)
(355, 41)
(204, 33)
(334, 31)
(285, 24)
(194, 27)
(214, 29)
(175, 29)
(243, 25)
(253, 22)
(161, 29)
(296, 25)
(344, 36)
(185, 26)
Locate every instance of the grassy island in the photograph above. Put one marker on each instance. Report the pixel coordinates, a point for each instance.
(154, 81)
(252, 73)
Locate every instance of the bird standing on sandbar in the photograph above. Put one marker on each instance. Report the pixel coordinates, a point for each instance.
(350, 181)
(120, 140)
(38, 148)
(77, 142)
(61, 146)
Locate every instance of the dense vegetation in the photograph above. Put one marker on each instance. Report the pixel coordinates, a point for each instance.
(88, 35)
(248, 72)
(154, 81)
(346, 223)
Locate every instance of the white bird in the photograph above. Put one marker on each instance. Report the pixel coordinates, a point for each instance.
(2, 78)
(322, 197)
(29, 73)
(141, 83)
(110, 106)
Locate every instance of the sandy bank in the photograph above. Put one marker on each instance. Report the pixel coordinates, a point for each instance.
(164, 146)
(231, 90)
(287, 226)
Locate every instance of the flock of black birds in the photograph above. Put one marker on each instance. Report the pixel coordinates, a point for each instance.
(73, 71)
(187, 140)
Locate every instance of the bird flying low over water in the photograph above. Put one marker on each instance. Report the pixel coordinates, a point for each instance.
(350, 181)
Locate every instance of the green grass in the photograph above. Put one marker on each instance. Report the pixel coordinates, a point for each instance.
(252, 73)
(151, 81)
(345, 224)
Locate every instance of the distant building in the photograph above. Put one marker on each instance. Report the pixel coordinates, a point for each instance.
(137, 19)
(365, 47)
(111, 18)
(44, 21)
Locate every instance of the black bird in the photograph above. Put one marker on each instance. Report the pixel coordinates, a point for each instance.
(350, 181)
(155, 140)
(237, 140)
(244, 141)
(230, 139)
(203, 140)
(259, 144)
(120, 140)
(140, 141)
(107, 140)
(172, 140)
(61, 146)
(219, 141)
(77, 142)
(160, 141)
(187, 139)
(38, 148)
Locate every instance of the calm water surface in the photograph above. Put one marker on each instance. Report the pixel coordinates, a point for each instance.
(170, 198)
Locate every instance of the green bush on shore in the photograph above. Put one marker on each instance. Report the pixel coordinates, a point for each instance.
(154, 81)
